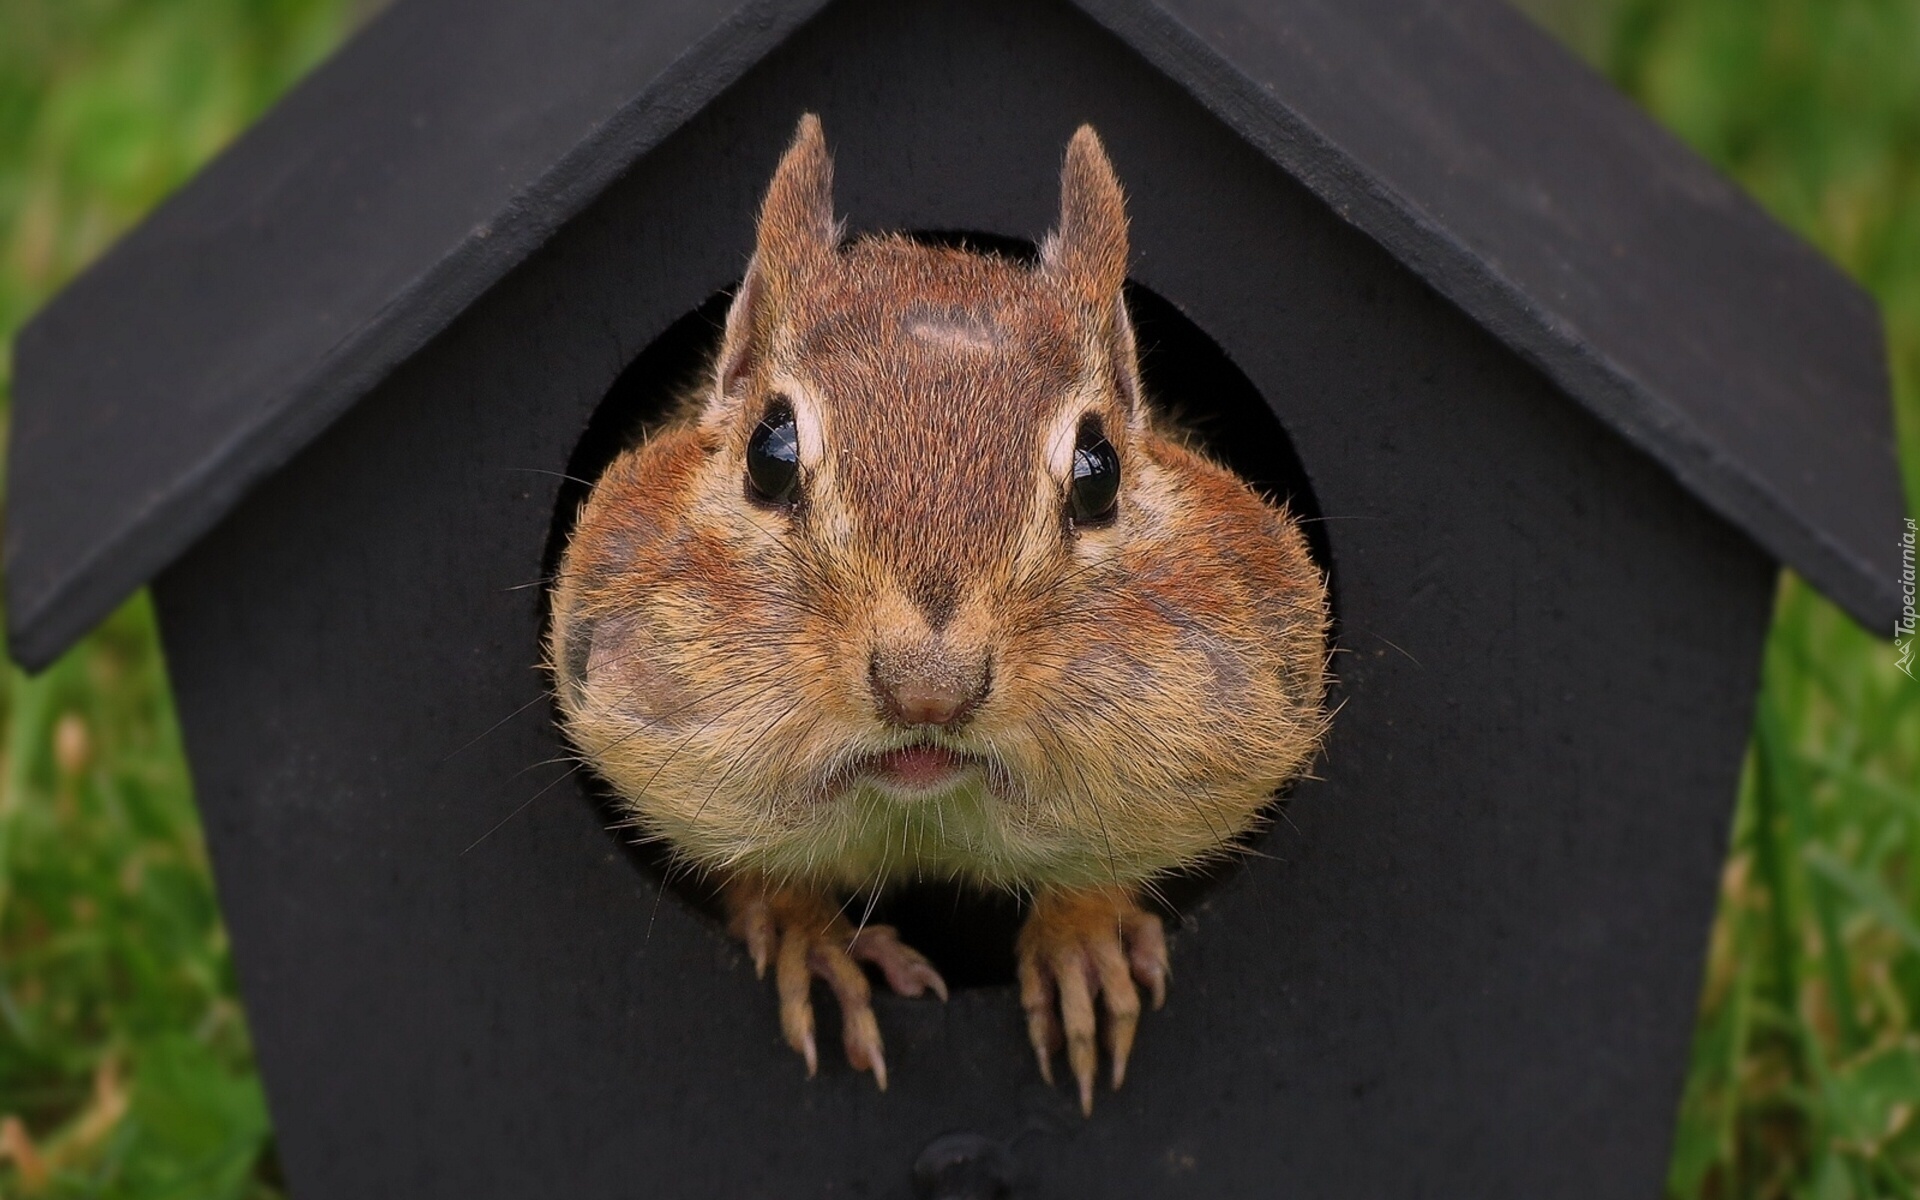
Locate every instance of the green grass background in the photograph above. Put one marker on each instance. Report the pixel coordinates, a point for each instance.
(124, 1062)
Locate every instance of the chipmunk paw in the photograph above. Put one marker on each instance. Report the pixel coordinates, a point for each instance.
(1077, 945)
(804, 936)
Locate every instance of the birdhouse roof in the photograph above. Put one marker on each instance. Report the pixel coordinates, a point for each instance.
(450, 138)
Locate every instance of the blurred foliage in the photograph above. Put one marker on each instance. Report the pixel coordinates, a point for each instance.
(124, 1064)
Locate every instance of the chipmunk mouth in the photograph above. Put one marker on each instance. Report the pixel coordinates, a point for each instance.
(917, 769)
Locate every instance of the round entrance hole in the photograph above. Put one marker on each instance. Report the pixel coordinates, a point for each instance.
(968, 934)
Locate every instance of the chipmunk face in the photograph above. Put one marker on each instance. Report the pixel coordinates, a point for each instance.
(920, 590)
(934, 435)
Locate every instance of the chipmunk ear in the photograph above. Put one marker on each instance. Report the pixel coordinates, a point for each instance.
(797, 229)
(1086, 254)
(797, 235)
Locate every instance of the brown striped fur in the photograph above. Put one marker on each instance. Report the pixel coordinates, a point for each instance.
(1152, 682)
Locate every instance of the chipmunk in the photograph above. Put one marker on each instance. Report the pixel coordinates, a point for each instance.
(919, 586)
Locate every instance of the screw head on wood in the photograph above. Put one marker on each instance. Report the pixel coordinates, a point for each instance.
(963, 1166)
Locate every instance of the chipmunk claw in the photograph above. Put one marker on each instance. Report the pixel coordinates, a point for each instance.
(806, 938)
(907, 970)
(1077, 947)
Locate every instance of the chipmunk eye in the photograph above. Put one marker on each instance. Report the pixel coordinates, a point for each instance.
(773, 456)
(1096, 476)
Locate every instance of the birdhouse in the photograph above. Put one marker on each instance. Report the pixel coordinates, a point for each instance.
(1559, 400)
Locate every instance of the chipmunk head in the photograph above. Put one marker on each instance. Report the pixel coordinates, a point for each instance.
(931, 425)
(921, 546)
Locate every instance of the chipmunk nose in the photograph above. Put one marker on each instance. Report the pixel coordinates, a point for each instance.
(927, 689)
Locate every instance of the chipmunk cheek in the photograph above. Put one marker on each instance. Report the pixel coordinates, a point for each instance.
(616, 668)
(572, 650)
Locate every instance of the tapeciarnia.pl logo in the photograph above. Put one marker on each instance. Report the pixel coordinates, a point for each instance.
(1903, 629)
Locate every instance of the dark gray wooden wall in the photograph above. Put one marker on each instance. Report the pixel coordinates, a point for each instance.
(1469, 969)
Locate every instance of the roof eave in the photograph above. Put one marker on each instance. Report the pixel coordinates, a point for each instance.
(41, 626)
(1425, 247)
(40, 629)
